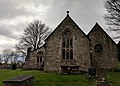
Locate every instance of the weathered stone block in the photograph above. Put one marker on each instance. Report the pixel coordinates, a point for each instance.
(20, 81)
(103, 84)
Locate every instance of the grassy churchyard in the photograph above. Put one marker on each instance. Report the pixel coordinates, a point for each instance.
(55, 79)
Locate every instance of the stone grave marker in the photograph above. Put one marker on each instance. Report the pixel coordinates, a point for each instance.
(101, 74)
(92, 71)
(101, 78)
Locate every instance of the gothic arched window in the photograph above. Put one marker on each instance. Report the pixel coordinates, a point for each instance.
(67, 45)
(39, 57)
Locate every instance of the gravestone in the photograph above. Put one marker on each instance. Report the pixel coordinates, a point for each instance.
(14, 66)
(92, 71)
(101, 78)
(101, 74)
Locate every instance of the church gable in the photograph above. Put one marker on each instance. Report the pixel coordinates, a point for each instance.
(63, 46)
(67, 24)
(99, 33)
(104, 49)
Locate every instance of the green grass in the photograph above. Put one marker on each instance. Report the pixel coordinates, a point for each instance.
(55, 79)
(114, 77)
(47, 79)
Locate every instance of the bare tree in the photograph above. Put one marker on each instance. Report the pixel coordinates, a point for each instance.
(113, 15)
(33, 36)
(10, 55)
(0, 58)
(14, 56)
(6, 55)
(21, 48)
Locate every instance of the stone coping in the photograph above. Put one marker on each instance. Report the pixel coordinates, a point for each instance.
(69, 66)
(18, 79)
(103, 83)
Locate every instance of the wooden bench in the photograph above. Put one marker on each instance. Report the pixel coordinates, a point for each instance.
(70, 69)
(20, 81)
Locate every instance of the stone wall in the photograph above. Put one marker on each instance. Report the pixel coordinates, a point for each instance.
(81, 51)
(107, 58)
(5, 66)
(31, 63)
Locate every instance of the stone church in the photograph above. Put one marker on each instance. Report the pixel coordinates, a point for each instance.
(69, 46)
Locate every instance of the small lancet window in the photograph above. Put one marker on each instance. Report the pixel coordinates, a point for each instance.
(37, 59)
(71, 54)
(63, 53)
(41, 58)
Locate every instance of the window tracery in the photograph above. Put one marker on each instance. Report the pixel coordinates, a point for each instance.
(67, 45)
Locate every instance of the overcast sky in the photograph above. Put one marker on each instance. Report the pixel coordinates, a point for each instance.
(16, 14)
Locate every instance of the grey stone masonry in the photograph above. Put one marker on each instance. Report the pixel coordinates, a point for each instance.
(104, 49)
(81, 51)
(68, 45)
(20, 81)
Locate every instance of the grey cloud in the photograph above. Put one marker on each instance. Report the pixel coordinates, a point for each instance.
(44, 2)
(10, 9)
(85, 13)
(8, 33)
(5, 46)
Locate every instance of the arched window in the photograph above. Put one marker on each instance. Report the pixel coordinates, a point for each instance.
(98, 48)
(39, 57)
(67, 45)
